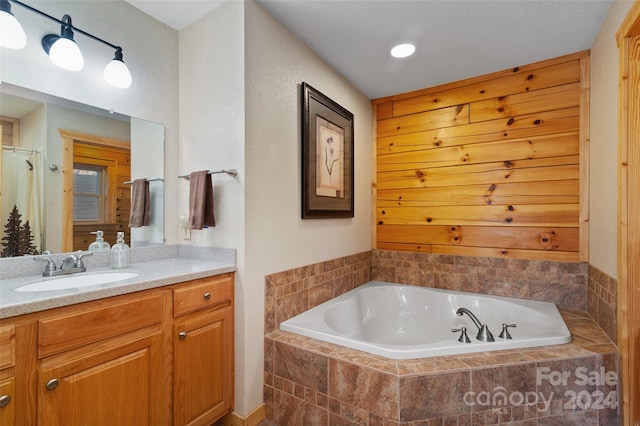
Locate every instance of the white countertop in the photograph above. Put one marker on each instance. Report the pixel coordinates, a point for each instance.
(151, 274)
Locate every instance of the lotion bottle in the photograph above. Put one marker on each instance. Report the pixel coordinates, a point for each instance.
(99, 244)
(120, 253)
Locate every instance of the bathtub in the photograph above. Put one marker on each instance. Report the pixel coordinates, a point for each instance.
(404, 321)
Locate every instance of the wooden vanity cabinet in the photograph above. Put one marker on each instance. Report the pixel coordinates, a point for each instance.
(115, 386)
(156, 357)
(203, 351)
(103, 365)
(7, 403)
(7, 375)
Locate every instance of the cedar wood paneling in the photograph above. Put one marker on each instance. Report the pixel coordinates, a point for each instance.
(489, 166)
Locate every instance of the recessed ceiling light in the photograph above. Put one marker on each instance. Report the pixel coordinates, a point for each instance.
(403, 50)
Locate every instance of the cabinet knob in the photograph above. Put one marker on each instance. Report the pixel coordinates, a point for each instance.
(182, 335)
(52, 384)
(4, 400)
(207, 296)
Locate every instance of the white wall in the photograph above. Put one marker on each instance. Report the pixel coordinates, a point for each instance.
(604, 142)
(276, 237)
(240, 72)
(212, 118)
(212, 138)
(147, 161)
(150, 51)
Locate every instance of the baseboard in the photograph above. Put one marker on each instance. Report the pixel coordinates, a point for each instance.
(252, 419)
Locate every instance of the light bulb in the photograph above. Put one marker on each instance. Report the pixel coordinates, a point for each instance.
(403, 50)
(11, 33)
(117, 74)
(66, 54)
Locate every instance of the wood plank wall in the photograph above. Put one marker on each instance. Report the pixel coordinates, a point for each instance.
(491, 166)
(119, 198)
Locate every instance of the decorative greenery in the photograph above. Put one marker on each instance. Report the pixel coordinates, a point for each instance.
(18, 239)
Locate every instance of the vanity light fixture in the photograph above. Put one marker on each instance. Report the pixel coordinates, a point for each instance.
(63, 50)
(403, 50)
(11, 33)
(116, 72)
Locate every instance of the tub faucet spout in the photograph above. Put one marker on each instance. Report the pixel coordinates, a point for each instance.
(484, 335)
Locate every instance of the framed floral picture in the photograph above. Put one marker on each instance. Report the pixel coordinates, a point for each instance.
(327, 157)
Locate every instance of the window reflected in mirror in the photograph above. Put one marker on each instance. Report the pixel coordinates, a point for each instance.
(89, 196)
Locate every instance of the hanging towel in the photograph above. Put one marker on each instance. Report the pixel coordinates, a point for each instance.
(140, 204)
(201, 200)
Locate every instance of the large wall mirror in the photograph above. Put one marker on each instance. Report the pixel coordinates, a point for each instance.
(67, 170)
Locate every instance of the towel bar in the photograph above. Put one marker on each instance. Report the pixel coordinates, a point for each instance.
(230, 172)
(148, 180)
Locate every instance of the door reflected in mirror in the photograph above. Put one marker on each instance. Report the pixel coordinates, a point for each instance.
(46, 141)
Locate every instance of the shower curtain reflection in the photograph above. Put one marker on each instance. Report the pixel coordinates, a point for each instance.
(21, 202)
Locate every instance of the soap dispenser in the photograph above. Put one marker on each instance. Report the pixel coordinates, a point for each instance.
(99, 244)
(120, 253)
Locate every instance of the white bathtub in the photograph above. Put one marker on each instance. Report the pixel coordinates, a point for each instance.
(404, 321)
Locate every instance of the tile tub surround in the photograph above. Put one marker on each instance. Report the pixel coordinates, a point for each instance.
(294, 291)
(562, 283)
(291, 292)
(316, 383)
(602, 301)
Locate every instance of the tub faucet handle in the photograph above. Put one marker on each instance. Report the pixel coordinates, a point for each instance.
(505, 331)
(463, 336)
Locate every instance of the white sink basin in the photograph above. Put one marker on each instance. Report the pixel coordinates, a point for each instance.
(76, 281)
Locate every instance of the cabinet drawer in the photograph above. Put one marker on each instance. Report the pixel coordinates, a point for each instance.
(7, 402)
(7, 346)
(202, 293)
(68, 331)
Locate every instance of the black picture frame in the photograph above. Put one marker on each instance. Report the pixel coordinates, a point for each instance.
(327, 157)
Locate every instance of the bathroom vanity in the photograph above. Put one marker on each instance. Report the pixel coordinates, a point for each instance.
(158, 350)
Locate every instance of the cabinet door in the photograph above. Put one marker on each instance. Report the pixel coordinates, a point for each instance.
(203, 367)
(7, 404)
(118, 385)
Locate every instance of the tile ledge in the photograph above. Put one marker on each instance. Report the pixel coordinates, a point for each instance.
(531, 355)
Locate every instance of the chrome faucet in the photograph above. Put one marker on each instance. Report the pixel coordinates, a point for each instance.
(484, 335)
(70, 265)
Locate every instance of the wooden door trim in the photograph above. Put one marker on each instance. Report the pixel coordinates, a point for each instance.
(67, 194)
(585, 90)
(628, 222)
(90, 139)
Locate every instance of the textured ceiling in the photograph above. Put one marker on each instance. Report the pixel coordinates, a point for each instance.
(176, 13)
(455, 39)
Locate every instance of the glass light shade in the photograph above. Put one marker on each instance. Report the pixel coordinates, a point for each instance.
(117, 74)
(66, 54)
(403, 50)
(11, 33)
